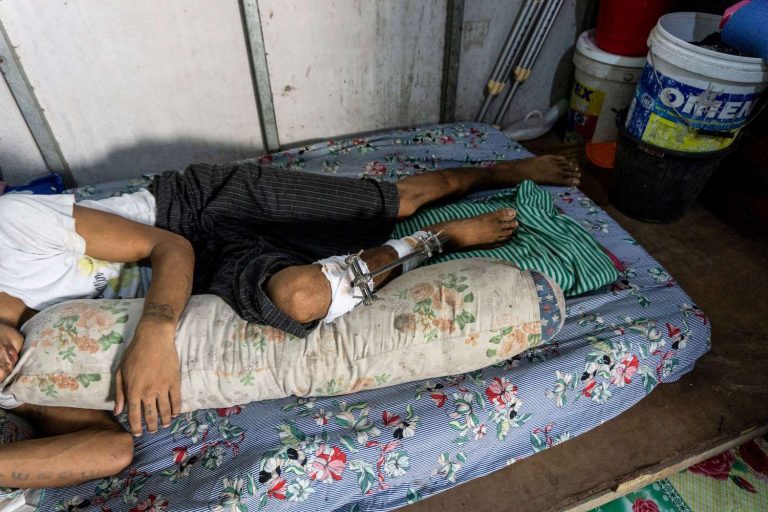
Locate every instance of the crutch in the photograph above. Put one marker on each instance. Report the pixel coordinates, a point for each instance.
(513, 46)
(523, 69)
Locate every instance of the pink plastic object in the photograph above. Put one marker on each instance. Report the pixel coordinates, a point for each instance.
(731, 10)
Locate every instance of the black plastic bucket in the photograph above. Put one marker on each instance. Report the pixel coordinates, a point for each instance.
(655, 184)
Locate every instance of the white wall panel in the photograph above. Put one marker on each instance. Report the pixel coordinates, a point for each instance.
(137, 86)
(486, 26)
(347, 66)
(20, 159)
(130, 87)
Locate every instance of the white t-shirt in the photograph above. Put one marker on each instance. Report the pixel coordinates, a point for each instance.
(43, 260)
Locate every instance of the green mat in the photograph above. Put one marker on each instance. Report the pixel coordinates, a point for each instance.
(546, 241)
(733, 481)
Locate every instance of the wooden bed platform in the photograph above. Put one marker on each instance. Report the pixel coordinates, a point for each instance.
(723, 402)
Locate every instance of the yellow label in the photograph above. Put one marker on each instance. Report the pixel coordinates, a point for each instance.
(586, 100)
(495, 87)
(671, 135)
(522, 74)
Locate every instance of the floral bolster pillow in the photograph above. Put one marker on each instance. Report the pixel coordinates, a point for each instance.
(437, 320)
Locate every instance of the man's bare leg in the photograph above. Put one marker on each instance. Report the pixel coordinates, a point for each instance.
(421, 189)
(304, 293)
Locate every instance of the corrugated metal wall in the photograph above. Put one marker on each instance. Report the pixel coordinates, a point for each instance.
(129, 87)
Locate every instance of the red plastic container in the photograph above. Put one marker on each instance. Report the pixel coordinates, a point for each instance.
(623, 27)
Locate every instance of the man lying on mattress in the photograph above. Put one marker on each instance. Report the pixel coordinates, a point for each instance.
(270, 243)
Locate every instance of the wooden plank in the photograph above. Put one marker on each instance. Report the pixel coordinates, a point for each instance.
(633, 482)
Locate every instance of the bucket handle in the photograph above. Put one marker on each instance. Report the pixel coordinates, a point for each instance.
(713, 133)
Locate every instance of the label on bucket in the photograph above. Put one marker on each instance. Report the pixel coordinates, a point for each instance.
(660, 103)
(586, 104)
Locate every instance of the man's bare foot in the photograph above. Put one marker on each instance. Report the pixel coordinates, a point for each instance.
(489, 229)
(544, 170)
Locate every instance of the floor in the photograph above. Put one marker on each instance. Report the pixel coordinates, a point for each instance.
(720, 261)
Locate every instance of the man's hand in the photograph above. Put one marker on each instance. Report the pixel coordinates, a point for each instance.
(148, 379)
(147, 382)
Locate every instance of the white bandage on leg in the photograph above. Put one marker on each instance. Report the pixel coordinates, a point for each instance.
(344, 295)
(404, 247)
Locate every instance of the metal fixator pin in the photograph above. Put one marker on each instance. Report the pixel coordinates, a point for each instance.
(426, 246)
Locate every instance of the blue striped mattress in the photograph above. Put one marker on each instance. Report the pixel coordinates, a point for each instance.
(383, 449)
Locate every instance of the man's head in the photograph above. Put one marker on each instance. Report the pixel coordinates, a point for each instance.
(11, 342)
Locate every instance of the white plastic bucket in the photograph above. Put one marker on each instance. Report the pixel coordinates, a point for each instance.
(602, 82)
(689, 98)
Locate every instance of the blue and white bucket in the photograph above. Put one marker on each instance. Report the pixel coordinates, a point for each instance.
(689, 98)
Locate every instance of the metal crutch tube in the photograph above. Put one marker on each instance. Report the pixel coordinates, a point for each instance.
(523, 70)
(510, 53)
(495, 84)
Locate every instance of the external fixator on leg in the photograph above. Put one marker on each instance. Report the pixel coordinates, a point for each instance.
(427, 244)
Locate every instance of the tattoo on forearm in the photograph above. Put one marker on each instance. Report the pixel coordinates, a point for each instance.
(159, 311)
(19, 476)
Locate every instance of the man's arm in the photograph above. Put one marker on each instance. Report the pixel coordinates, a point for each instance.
(85, 444)
(12, 311)
(147, 380)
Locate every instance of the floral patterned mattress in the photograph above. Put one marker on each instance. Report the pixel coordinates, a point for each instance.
(382, 449)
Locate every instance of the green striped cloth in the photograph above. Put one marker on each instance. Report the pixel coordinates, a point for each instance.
(546, 241)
